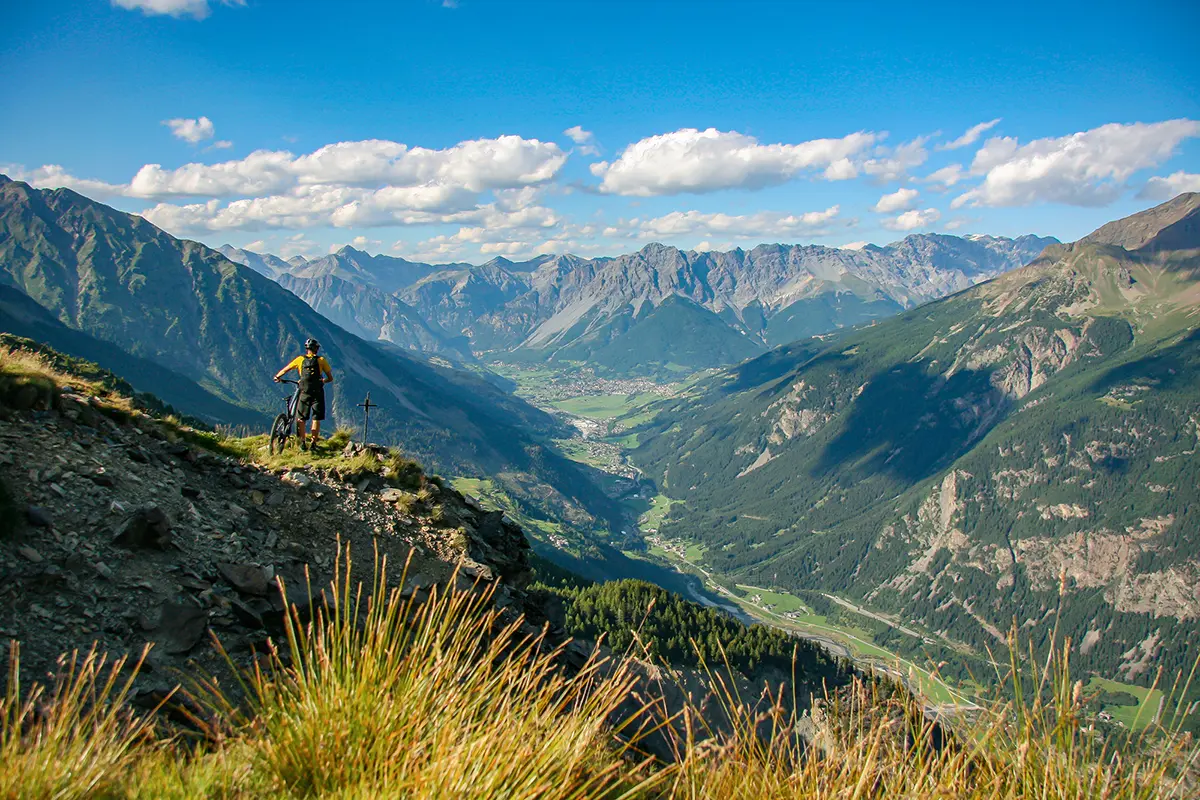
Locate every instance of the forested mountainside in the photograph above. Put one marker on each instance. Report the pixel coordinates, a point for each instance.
(964, 462)
(121, 281)
(628, 314)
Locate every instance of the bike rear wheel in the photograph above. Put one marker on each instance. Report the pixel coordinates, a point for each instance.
(280, 431)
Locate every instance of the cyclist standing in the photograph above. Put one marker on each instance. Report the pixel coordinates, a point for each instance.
(314, 374)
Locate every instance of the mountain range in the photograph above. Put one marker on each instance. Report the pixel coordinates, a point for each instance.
(1019, 453)
(207, 335)
(659, 311)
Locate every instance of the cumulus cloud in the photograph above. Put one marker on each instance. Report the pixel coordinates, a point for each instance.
(1083, 169)
(946, 176)
(761, 224)
(691, 160)
(174, 8)
(53, 176)
(1174, 184)
(585, 139)
(896, 201)
(894, 164)
(346, 184)
(298, 245)
(912, 220)
(472, 166)
(193, 131)
(971, 136)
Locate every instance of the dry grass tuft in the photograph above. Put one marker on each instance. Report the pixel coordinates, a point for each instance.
(80, 741)
(374, 695)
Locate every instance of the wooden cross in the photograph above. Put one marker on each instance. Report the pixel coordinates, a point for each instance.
(366, 406)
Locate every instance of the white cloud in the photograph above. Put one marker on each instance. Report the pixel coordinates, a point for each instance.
(894, 164)
(971, 136)
(175, 8)
(761, 224)
(191, 130)
(223, 144)
(53, 176)
(476, 165)
(298, 245)
(1174, 184)
(947, 176)
(585, 139)
(345, 184)
(912, 220)
(261, 172)
(1083, 169)
(896, 201)
(358, 243)
(472, 166)
(691, 160)
(578, 135)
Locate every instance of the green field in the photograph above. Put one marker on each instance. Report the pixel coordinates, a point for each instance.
(660, 505)
(804, 620)
(781, 602)
(493, 497)
(933, 688)
(604, 407)
(1134, 717)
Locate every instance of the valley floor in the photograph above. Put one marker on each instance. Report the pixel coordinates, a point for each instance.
(602, 412)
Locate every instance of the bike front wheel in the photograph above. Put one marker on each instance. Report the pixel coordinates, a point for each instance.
(279, 434)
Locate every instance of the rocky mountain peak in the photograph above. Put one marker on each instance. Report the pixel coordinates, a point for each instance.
(1137, 230)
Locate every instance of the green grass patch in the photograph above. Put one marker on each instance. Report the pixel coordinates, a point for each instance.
(781, 602)
(652, 519)
(494, 497)
(603, 407)
(1135, 717)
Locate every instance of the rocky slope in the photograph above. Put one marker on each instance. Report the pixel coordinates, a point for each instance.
(127, 533)
(961, 464)
(130, 534)
(120, 280)
(606, 310)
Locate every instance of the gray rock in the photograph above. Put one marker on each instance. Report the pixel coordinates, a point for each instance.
(39, 517)
(103, 479)
(146, 527)
(247, 578)
(180, 627)
(29, 553)
(298, 479)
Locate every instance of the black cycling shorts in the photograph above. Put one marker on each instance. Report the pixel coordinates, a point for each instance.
(311, 405)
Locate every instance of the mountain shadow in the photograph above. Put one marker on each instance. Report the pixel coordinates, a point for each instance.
(1174, 367)
(909, 423)
(21, 315)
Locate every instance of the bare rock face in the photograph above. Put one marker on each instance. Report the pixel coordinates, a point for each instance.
(147, 527)
(179, 545)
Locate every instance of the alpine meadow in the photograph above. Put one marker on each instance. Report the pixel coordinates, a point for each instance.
(664, 401)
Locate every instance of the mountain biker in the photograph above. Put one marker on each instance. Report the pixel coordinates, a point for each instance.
(314, 374)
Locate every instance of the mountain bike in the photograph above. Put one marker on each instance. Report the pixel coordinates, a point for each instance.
(285, 424)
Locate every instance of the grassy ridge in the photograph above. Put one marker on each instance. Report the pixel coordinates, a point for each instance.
(376, 696)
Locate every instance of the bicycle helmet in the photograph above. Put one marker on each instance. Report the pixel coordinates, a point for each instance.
(312, 344)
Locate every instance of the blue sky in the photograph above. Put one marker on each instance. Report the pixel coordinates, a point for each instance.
(450, 131)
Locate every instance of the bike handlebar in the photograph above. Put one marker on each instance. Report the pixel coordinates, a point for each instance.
(287, 380)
